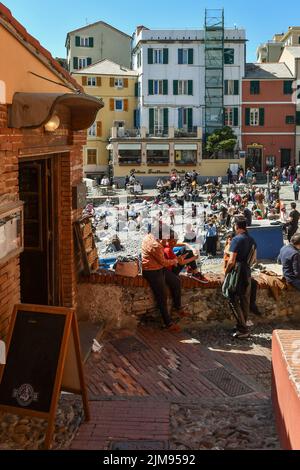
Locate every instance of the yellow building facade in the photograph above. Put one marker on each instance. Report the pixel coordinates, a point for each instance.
(116, 86)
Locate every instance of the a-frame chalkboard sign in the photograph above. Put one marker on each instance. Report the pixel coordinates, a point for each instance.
(43, 359)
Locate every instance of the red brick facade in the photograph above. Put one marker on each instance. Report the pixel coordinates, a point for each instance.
(35, 143)
(273, 139)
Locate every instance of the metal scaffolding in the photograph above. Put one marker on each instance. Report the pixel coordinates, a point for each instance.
(214, 70)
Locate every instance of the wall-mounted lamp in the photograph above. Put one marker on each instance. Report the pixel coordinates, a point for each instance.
(52, 124)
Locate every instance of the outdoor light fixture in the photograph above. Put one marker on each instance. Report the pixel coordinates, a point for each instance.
(52, 124)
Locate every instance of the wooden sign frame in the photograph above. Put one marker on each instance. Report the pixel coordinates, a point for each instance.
(68, 354)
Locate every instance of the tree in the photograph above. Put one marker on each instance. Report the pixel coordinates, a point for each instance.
(221, 140)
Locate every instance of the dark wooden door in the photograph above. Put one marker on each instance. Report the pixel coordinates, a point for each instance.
(285, 158)
(38, 261)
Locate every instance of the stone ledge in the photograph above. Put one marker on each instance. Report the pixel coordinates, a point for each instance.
(286, 386)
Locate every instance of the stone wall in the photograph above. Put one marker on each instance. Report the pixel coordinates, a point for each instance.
(121, 302)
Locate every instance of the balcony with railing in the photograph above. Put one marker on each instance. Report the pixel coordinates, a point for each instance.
(158, 131)
(186, 132)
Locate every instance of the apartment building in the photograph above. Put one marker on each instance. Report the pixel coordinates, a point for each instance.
(116, 85)
(269, 116)
(95, 42)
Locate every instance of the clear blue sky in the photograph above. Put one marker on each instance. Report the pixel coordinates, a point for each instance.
(50, 20)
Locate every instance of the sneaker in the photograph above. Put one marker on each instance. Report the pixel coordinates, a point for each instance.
(173, 328)
(241, 335)
(199, 277)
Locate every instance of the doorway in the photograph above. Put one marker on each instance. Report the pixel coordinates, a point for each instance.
(285, 157)
(38, 183)
(254, 157)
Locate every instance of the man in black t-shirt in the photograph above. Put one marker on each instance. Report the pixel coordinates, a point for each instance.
(292, 225)
(240, 250)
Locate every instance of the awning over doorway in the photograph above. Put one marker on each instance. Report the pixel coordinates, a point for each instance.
(32, 110)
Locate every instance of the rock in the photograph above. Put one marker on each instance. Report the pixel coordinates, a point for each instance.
(22, 429)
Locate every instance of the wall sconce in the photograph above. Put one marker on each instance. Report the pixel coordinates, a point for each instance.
(52, 124)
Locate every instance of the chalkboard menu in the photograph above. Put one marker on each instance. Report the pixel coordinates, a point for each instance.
(43, 358)
(32, 361)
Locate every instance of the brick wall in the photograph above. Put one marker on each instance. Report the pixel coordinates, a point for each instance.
(15, 143)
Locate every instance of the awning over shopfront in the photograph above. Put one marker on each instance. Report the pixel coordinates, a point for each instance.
(185, 146)
(32, 110)
(129, 146)
(157, 146)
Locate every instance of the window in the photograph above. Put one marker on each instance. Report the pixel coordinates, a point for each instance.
(139, 59)
(254, 117)
(288, 87)
(119, 105)
(185, 118)
(92, 132)
(129, 157)
(91, 156)
(119, 82)
(182, 87)
(231, 116)
(157, 87)
(183, 157)
(158, 121)
(228, 56)
(84, 62)
(254, 87)
(91, 81)
(186, 56)
(231, 87)
(290, 119)
(84, 41)
(157, 56)
(158, 157)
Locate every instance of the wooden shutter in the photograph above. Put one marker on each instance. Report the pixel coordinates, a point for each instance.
(235, 116)
(77, 41)
(175, 87)
(150, 56)
(136, 89)
(190, 118)
(84, 81)
(135, 118)
(89, 61)
(150, 87)
(91, 42)
(297, 118)
(247, 117)
(125, 105)
(190, 87)
(261, 116)
(151, 120)
(166, 119)
(190, 56)
(180, 56)
(165, 56)
(180, 118)
(111, 104)
(99, 128)
(125, 82)
(111, 82)
(236, 87)
(75, 63)
(288, 87)
(226, 87)
(98, 81)
(165, 87)
(254, 87)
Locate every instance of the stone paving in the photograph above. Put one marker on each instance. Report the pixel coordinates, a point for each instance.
(154, 389)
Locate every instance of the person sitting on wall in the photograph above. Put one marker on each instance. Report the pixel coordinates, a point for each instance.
(289, 257)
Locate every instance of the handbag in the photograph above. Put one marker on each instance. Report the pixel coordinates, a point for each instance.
(127, 268)
(231, 281)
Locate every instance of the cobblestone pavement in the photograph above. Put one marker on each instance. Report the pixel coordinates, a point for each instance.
(191, 390)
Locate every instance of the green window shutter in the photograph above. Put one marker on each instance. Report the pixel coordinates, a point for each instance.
(228, 56)
(77, 41)
(151, 120)
(91, 42)
(190, 56)
(150, 87)
(150, 56)
(288, 87)
(235, 116)
(180, 56)
(166, 119)
(236, 87)
(75, 63)
(190, 119)
(135, 118)
(190, 87)
(226, 87)
(89, 61)
(136, 89)
(165, 87)
(298, 118)
(261, 116)
(247, 117)
(165, 56)
(175, 87)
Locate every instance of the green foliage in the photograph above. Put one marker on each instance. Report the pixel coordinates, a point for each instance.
(221, 140)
